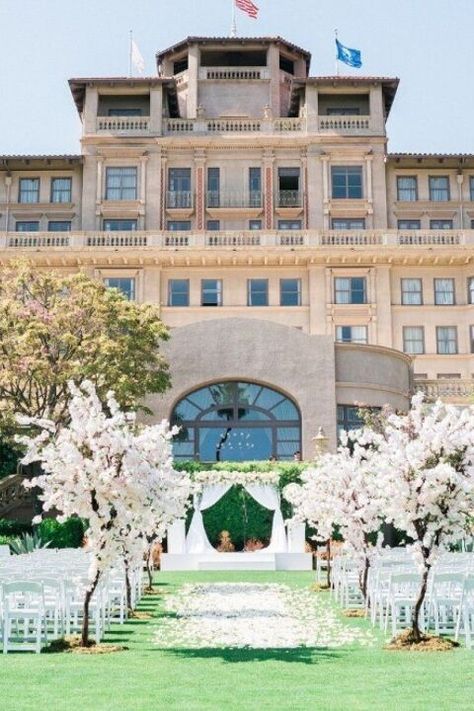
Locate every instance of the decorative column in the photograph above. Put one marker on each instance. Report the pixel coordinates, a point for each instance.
(304, 187)
(370, 193)
(268, 160)
(98, 196)
(200, 167)
(164, 158)
(325, 166)
(143, 162)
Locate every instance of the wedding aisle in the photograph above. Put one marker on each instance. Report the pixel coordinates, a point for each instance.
(254, 615)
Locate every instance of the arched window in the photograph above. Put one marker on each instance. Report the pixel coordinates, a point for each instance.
(236, 421)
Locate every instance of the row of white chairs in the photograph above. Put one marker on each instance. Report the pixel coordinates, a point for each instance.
(393, 585)
(42, 597)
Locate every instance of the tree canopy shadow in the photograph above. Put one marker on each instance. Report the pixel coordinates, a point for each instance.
(290, 655)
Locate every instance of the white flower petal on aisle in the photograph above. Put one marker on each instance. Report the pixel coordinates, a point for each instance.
(258, 616)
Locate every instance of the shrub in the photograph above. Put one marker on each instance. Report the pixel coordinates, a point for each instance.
(27, 543)
(6, 540)
(69, 534)
(13, 528)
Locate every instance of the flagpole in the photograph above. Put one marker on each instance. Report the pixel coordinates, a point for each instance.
(130, 55)
(233, 28)
(337, 55)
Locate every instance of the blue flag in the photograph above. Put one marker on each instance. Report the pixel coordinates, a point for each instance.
(352, 57)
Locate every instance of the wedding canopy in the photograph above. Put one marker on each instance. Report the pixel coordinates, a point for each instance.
(266, 495)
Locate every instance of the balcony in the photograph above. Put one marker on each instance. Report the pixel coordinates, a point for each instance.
(325, 240)
(180, 201)
(178, 126)
(123, 125)
(233, 73)
(450, 390)
(289, 198)
(344, 124)
(234, 201)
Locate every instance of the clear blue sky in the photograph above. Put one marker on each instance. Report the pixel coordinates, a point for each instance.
(427, 43)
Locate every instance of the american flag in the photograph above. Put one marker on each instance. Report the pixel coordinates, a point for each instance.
(248, 7)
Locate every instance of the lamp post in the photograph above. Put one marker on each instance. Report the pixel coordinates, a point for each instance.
(321, 443)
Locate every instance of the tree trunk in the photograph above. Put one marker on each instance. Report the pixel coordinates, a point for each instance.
(415, 621)
(128, 586)
(85, 619)
(364, 577)
(148, 566)
(328, 553)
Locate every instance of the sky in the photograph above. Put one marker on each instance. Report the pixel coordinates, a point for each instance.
(426, 43)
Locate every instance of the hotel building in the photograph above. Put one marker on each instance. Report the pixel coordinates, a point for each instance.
(301, 268)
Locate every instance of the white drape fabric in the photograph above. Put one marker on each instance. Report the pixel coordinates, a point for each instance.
(197, 541)
(268, 497)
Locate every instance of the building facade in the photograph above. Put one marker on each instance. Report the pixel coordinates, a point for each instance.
(301, 268)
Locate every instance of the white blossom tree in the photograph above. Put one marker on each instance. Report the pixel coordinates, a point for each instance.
(104, 469)
(427, 470)
(342, 492)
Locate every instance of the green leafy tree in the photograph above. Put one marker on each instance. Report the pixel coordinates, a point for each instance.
(56, 328)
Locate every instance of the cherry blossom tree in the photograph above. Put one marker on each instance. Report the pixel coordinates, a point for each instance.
(342, 492)
(104, 469)
(427, 469)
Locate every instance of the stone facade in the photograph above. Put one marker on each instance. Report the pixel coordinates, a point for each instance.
(235, 169)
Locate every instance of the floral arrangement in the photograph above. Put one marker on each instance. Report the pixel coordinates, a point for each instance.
(224, 476)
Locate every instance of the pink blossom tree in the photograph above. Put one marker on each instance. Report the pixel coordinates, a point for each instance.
(105, 469)
(426, 468)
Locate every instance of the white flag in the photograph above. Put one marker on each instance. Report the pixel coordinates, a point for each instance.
(137, 58)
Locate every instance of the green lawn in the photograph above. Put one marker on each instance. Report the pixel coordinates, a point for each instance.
(145, 678)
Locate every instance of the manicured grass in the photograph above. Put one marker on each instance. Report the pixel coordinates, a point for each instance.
(145, 678)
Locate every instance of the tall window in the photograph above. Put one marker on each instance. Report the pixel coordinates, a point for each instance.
(447, 340)
(27, 226)
(348, 418)
(290, 292)
(439, 188)
(29, 190)
(346, 182)
(350, 290)
(351, 334)
(213, 187)
(121, 184)
(409, 224)
(444, 292)
(255, 187)
(470, 290)
(178, 292)
(257, 292)
(407, 188)
(471, 188)
(124, 284)
(179, 188)
(289, 187)
(471, 337)
(412, 292)
(413, 340)
(61, 189)
(236, 421)
(211, 292)
(120, 225)
(441, 224)
(59, 226)
(348, 223)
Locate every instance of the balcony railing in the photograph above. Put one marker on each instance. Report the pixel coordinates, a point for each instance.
(123, 124)
(230, 199)
(454, 389)
(289, 198)
(173, 126)
(179, 199)
(233, 73)
(313, 239)
(343, 124)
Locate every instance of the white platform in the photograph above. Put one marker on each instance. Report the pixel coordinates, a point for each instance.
(237, 561)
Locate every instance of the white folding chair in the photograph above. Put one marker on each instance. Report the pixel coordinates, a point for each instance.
(24, 626)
